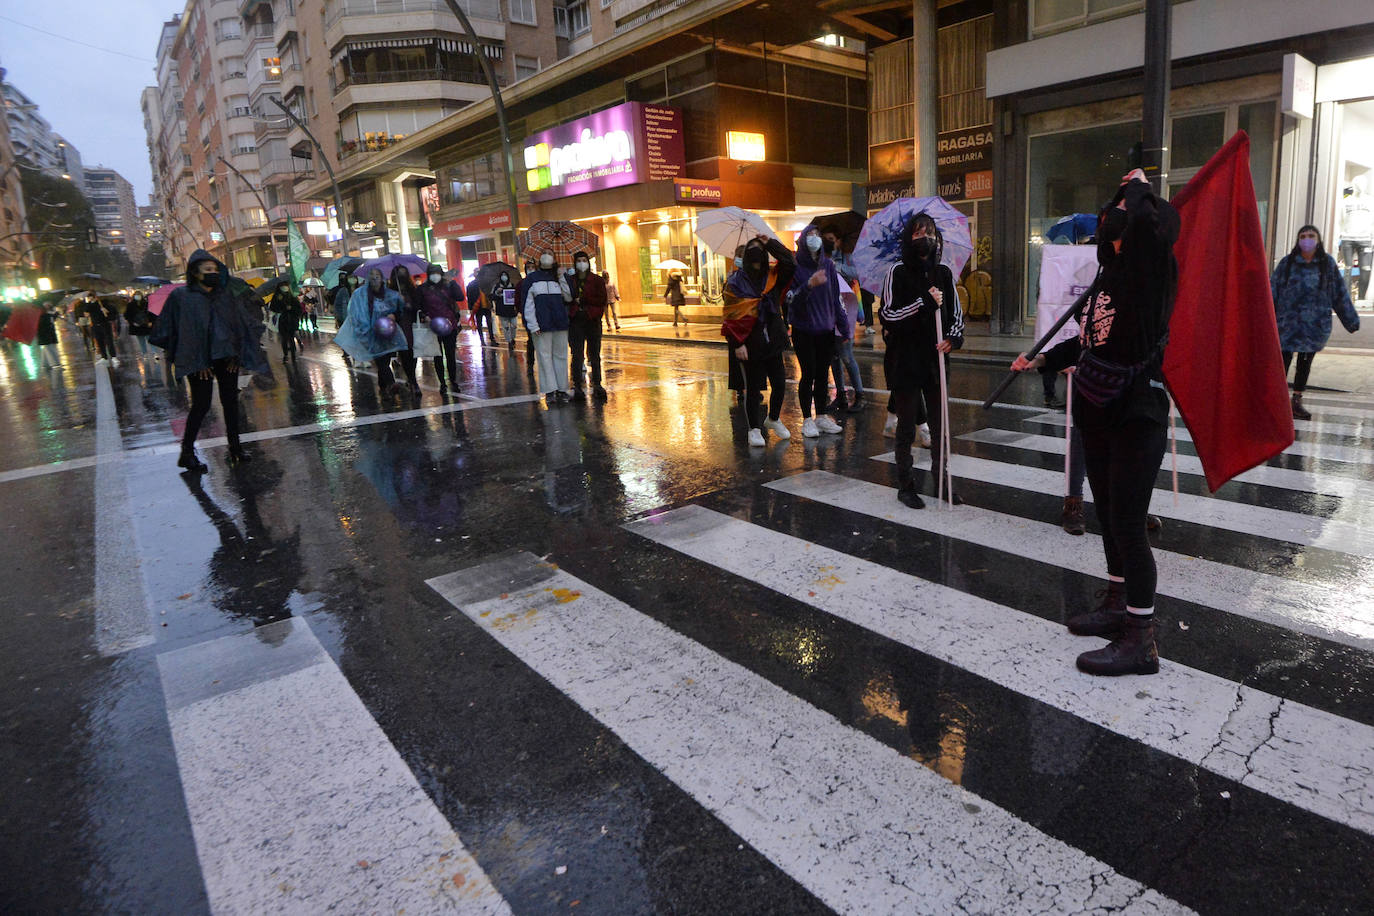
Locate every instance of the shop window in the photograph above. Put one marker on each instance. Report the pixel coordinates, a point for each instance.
(1258, 121)
(1195, 138)
(858, 138)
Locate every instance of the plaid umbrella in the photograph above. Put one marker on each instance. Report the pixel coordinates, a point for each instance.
(558, 237)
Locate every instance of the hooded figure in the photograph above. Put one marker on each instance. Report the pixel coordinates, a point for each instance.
(287, 308)
(755, 331)
(584, 323)
(503, 297)
(359, 337)
(209, 335)
(434, 299)
(1120, 411)
(817, 316)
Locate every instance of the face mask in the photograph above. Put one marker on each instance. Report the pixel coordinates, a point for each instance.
(546, 261)
(829, 246)
(435, 278)
(739, 262)
(505, 278)
(1307, 245)
(1113, 225)
(924, 247)
(209, 278)
(582, 267)
(813, 243)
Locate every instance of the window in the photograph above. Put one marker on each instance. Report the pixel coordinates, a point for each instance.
(579, 18)
(1048, 16)
(525, 66)
(560, 22)
(522, 11)
(227, 30)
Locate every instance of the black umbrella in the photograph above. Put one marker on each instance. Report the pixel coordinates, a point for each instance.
(152, 281)
(846, 226)
(488, 274)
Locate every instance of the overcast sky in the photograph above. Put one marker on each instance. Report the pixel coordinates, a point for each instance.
(91, 97)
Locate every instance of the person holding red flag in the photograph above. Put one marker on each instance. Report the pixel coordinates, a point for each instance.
(1121, 412)
(754, 327)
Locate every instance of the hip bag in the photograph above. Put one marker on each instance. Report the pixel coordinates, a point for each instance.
(1101, 381)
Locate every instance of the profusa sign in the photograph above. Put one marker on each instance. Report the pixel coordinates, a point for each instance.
(619, 146)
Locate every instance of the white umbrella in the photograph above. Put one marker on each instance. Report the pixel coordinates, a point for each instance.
(312, 281)
(724, 230)
(671, 264)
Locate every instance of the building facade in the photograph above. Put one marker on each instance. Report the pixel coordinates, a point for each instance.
(14, 240)
(116, 214)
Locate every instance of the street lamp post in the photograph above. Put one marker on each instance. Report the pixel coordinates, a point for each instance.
(222, 233)
(338, 197)
(271, 233)
(511, 198)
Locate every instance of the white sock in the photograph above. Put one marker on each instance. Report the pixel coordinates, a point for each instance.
(1140, 611)
(1117, 579)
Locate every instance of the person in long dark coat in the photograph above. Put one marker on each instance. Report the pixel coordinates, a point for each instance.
(46, 338)
(209, 335)
(405, 317)
(140, 320)
(287, 308)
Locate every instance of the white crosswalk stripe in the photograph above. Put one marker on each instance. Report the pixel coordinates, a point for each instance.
(1309, 449)
(1258, 521)
(1319, 610)
(1300, 755)
(862, 827)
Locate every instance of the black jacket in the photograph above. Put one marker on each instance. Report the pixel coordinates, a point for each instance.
(197, 327)
(913, 325)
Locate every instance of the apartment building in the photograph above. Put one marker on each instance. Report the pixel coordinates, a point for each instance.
(33, 140)
(14, 243)
(150, 222)
(116, 214)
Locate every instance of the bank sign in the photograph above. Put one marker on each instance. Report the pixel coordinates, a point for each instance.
(619, 146)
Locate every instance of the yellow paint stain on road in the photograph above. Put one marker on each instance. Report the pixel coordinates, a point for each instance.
(513, 619)
(828, 581)
(563, 595)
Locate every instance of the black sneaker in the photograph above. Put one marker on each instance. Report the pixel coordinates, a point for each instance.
(238, 456)
(191, 461)
(908, 496)
(599, 393)
(856, 406)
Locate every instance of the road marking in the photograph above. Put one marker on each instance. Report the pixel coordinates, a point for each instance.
(1259, 521)
(860, 826)
(1318, 610)
(1281, 478)
(1321, 427)
(1303, 756)
(122, 616)
(298, 802)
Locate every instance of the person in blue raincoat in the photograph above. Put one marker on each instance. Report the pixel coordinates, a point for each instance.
(359, 335)
(209, 335)
(1307, 288)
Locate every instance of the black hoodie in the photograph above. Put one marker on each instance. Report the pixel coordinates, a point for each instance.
(198, 327)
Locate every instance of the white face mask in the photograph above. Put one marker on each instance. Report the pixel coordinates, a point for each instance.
(435, 278)
(546, 261)
(582, 267)
(739, 262)
(813, 242)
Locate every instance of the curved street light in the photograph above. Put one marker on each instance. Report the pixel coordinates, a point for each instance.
(271, 233)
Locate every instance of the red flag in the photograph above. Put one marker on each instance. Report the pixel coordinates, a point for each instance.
(23, 324)
(1223, 363)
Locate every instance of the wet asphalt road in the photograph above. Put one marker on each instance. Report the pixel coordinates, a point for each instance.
(475, 654)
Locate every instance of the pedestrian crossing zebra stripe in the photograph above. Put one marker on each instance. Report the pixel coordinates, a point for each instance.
(297, 799)
(1294, 753)
(1314, 609)
(1316, 427)
(862, 827)
(1258, 521)
(1338, 408)
(1280, 478)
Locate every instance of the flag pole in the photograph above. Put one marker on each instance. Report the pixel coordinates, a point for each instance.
(1040, 344)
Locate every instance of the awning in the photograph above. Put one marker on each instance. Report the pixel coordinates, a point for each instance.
(452, 45)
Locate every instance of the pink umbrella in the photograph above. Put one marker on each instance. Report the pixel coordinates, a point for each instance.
(158, 297)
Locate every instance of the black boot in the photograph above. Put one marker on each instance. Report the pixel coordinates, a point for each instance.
(907, 496)
(238, 456)
(1300, 412)
(1133, 652)
(1071, 519)
(191, 461)
(1107, 618)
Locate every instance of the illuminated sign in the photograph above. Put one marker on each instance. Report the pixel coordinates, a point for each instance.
(744, 146)
(317, 211)
(701, 193)
(316, 226)
(622, 145)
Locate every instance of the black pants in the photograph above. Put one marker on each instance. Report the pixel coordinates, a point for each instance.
(288, 341)
(584, 337)
(448, 354)
(1304, 368)
(914, 406)
(814, 355)
(407, 358)
(756, 373)
(483, 316)
(201, 388)
(1122, 463)
(104, 340)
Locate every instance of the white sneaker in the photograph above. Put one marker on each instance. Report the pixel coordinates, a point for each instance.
(890, 427)
(756, 438)
(102, 362)
(923, 433)
(827, 425)
(776, 428)
(115, 362)
(870, 332)
(809, 429)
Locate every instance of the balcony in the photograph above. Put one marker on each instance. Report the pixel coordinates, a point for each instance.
(263, 78)
(369, 18)
(290, 168)
(269, 128)
(407, 93)
(378, 77)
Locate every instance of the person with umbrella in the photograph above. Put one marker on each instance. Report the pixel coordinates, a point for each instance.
(365, 332)
(546, 317)
(584, 323)
(754, 329)
(310, 303)
(140, 320)
(287, 308)
(521, 293)
(341, 295)
(855, 308)
(402, 283)
(102, 319)
(921, 318)
(209, 335)
(434, 303)
(1120, 412)
(46, 337)
(675, 297)
(816, 316)
(503, 296)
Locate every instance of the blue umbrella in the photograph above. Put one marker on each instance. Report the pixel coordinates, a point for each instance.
(880, 240)
(337, 269)
(389, 262)
(1073, 229)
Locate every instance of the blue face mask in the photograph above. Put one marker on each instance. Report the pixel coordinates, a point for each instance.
(813, 243)
(739, 262)
(1307, 245)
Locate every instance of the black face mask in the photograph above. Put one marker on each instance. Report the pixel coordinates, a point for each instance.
(828, 245)
(1112, 225)
(923, 247)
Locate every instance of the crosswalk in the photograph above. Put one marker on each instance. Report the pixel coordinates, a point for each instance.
(880, 702)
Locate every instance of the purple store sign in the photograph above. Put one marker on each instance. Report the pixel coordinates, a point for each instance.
(620, 146)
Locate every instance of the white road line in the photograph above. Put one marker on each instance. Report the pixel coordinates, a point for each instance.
(1321, 450)
(1299, 755)
(1264, 475)
(1317, 610)
(860, 826)
(122, 615)
(298, 802)
(1350, 538)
